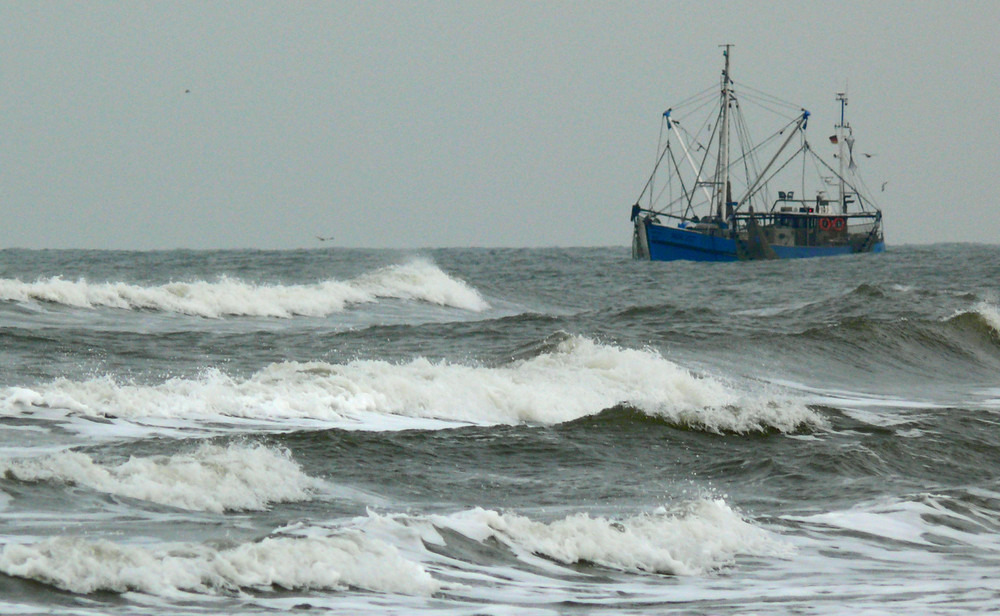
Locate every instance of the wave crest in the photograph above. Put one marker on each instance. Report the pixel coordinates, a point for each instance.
(700, 537)
(418, 280)
(335, 563)
(984, 316)
(575, 379)
(394, 553)
(211, 478)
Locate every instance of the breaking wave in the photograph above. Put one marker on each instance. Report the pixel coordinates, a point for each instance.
(397, 553)
(698, 538)
(574, 378)
(212, 478)
(984, 315)
(966, 341)
(327, 563)
(418, 280)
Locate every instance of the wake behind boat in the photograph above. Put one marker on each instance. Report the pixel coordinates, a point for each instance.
(715, 194)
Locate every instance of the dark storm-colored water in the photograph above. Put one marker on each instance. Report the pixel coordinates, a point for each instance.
(499, 431)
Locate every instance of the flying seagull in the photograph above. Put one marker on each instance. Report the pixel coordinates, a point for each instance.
(883, 185)
(324, 239)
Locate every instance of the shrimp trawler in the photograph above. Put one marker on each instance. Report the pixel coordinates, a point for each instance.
(715, 194)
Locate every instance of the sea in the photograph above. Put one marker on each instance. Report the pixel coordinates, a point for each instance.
(499, 431)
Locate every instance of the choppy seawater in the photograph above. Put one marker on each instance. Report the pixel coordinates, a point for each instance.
(499, 432)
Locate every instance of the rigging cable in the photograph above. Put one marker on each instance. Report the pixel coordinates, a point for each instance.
(766, 95)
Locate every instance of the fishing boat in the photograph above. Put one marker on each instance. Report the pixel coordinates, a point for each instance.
(715, 194)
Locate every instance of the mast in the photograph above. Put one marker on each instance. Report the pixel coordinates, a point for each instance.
(722, 176)
(841, 142)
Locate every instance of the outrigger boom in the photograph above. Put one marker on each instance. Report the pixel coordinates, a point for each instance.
(694, 214)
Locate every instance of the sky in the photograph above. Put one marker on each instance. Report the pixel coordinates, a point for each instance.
(218, 125)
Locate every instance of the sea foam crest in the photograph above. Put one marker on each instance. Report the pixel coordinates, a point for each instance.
(417, 280)
(991, 314)
(576, 379)
(210, 478)
(983, 316)
(348, 559)
(698, 538)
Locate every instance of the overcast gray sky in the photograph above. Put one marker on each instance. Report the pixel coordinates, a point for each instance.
(151, 125)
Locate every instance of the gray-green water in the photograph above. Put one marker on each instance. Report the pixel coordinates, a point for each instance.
(499, 431)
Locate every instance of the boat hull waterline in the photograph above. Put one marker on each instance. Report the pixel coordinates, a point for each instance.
(657, 242)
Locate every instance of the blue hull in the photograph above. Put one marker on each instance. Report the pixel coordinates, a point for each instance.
(671, 244)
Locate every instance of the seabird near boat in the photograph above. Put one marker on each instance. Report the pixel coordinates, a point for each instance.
(717, 195)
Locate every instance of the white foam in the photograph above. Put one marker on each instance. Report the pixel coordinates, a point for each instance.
(398, 553)
(347, 560)
(990, 313)
(698, 538)
(210, 478)
(418, 280)
(577, 379)
(922, 520)
(421, 280)
(747, 413)
(695, 538)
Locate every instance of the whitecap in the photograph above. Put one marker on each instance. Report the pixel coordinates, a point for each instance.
(417, 280)
(578, 378)
(347, 560)
(210, 478)
(991, 314)
(696, 538)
